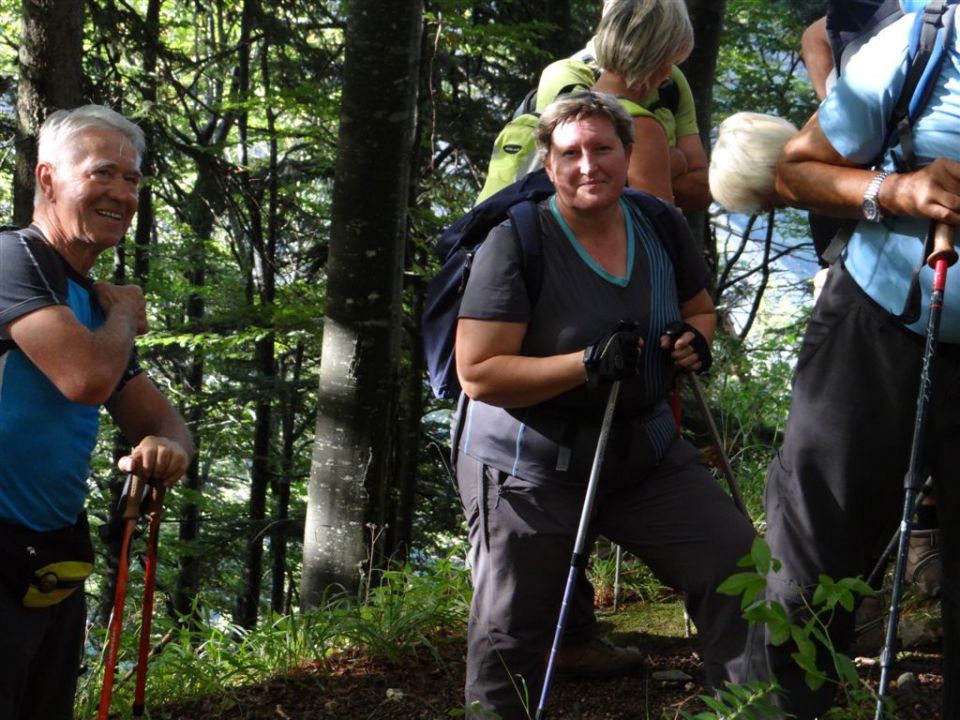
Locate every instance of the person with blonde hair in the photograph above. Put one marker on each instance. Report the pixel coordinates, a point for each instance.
(743, 164)
(638, 43)
(638, 36)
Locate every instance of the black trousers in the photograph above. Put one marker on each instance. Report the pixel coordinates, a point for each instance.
(40, 661)
(675, 517)
(835, 490)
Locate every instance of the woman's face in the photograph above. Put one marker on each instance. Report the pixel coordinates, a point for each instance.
(587, 164)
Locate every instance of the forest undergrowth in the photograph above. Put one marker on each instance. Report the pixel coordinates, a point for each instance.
(400, 655)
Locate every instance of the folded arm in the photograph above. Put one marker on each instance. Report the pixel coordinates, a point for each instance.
(691, 186)
(84, 365)
(814, 176)
(491, 368)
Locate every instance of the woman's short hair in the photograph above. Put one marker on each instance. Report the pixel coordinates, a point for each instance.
(636, 37)
(62, 124)
(580, 105)
(743, 163)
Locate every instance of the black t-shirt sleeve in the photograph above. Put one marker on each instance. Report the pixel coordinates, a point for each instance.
(25, 284)
(496, 289)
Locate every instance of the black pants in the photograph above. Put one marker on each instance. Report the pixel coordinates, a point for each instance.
(835, 490)
(41, 657)
(675, 517)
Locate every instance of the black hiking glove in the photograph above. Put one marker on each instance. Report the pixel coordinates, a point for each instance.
(614, 355)
(700, 345)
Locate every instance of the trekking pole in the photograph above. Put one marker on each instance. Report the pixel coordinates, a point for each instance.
(616, 579)
(149, 584)
(942, 257)
(579, 558)
(725, 466)
(129, 509)
(673, 331)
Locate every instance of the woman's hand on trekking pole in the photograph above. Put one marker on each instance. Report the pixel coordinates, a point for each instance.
(158, 458)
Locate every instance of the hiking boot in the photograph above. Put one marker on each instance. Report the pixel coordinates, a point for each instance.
(598, 658)
(923, 561)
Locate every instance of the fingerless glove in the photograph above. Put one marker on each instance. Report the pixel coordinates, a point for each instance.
(613, 356)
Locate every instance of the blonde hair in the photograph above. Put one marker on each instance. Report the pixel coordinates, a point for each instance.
(743, 163)
(636, 37)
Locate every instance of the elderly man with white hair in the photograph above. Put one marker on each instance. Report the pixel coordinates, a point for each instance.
(66, 349)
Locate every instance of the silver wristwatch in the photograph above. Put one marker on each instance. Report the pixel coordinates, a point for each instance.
(870, 205)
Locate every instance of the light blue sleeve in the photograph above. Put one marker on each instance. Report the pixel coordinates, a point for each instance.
(854, 115)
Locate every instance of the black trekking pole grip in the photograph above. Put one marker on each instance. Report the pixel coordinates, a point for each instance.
(579, 558)
(941, 258)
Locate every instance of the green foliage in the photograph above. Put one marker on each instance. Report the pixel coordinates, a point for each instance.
(735, 702)
(760, 69)
(809, 634)
(636, 580)
(406, 611)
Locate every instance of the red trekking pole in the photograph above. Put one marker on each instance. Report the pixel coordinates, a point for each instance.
(149, 583)
(129, 512)
(942, 257)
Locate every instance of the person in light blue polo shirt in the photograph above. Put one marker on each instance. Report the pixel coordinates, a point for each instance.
(835, 490)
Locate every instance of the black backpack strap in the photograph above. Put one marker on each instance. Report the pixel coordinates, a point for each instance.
(839, 241)
(668, 96)
(851, 24)
(525, 218)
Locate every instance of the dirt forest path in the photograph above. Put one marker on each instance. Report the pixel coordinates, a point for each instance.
(428, 684)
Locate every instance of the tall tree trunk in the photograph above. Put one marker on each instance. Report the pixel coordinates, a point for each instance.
(700, 69)
(249, 602)
(145, 214)
(350, 472)
(51, 78)
(188, 564)
(279, 601)
(204, 200)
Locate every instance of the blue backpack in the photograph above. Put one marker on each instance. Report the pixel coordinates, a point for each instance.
(459, 243)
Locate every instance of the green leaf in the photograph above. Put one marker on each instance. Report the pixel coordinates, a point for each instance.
(846, 670)
(760, 554)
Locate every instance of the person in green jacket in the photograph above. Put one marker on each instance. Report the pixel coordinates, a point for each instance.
(683, 180)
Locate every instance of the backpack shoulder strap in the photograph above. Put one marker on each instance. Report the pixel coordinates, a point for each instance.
(851, 24)
(664, 219)
(636, 109)
(526, 224)
(928, 39)
(668, 96)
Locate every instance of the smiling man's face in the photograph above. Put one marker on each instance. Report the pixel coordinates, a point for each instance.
(91, 188)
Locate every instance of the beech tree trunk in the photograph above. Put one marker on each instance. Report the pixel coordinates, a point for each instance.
(351, 472)
(51, 78)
